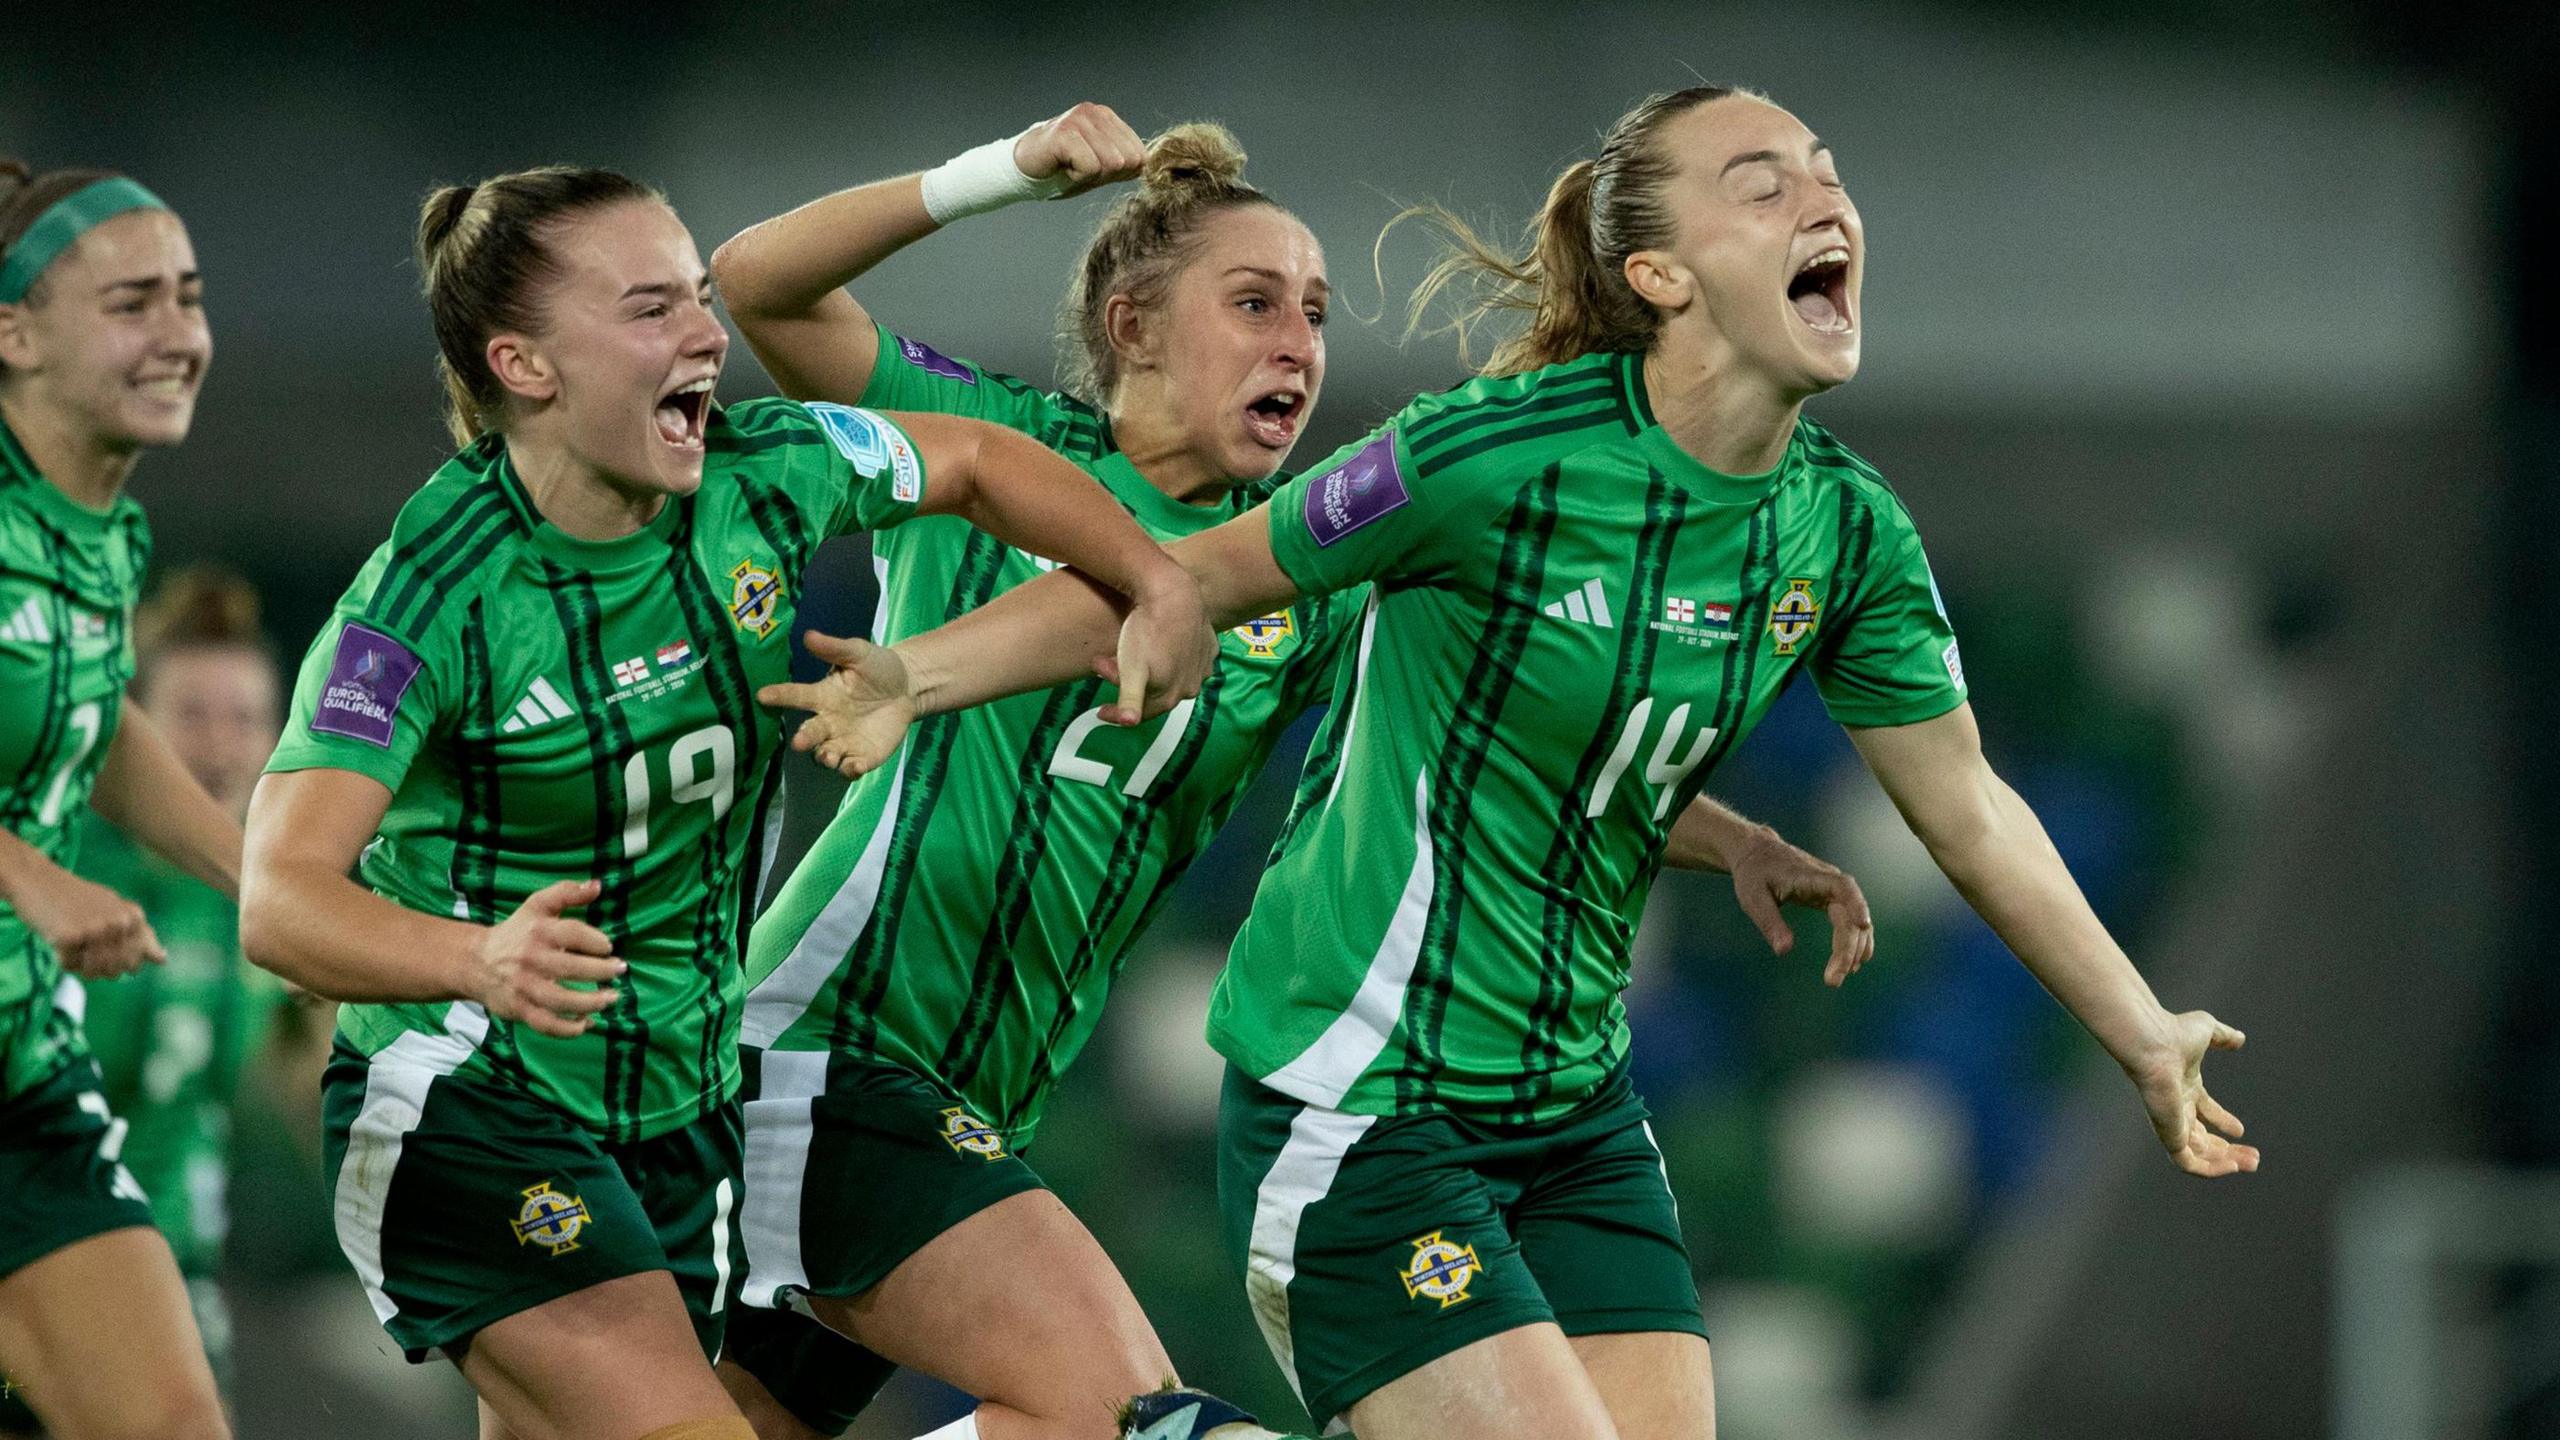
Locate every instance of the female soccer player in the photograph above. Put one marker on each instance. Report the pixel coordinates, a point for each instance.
(1594, 570)
(174, 1041)
(103, 347)
(538, 697)
(946, 949)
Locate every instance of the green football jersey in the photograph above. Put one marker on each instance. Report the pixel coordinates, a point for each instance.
(967, 909)
(1575, 621)
(171, 1040)
(545, 708)
(68, 579)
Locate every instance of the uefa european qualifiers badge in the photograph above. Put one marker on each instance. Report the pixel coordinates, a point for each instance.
(367, 677)
(933, 362)
(970, 1135)
(550, 1219)
(1262, 637)
(1362, 488)
(1791, 619)
(1441, 1269)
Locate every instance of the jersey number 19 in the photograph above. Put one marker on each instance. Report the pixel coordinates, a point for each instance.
(700, 766)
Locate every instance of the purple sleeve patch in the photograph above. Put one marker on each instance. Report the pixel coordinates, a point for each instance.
(1357, 491)
(366, 680)
(933, 362)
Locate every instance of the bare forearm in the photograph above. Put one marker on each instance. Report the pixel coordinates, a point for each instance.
(1023, 494)
(1032, 637)
(21, 865)
(787, 266)
(1709, 836)
(338, 940)
(2008, 871)
(145, 790)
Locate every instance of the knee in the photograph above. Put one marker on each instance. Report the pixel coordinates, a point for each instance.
(163, 1409)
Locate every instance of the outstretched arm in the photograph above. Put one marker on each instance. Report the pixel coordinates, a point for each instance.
(1995, 851)
(784, 279)
(1020, 492)
(1059, 627)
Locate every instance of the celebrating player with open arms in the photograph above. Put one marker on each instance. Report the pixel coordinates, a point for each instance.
(944, 952)
(538, 697)
(1436, 1176)
(103, 347)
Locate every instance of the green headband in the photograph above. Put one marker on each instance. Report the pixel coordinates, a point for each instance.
(62, 224)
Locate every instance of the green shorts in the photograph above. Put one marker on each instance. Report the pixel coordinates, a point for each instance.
(461, 1202)
(1374, 1245)
(853, 1165)
(60, 1179)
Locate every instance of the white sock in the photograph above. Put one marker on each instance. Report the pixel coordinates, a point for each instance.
(964, 1428)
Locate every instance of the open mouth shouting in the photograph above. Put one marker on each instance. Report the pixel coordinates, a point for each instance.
(1273, 420)
(682, 413)
(1820, 292)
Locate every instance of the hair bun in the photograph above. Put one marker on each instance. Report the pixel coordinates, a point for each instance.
(202, 604)
(1200, 154)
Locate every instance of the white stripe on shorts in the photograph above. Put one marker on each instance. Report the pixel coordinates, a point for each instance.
(395, 1095)
(776, 1172)
(785, 995)
(1300, 1176)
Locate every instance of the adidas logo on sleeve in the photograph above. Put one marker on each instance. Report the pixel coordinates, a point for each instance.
(26, 625)
(1586, 603)
(540, 706)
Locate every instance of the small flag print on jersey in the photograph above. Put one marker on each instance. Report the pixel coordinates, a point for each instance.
(1717, 614)
(631, 671)
(670, 656)
(1680, 612)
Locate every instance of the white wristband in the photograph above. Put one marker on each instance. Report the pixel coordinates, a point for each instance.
(978, 180)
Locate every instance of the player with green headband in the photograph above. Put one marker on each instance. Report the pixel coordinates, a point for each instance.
(103, 346)
(945, 951)
(530, 730)
(1594, 569)
(175, 1041)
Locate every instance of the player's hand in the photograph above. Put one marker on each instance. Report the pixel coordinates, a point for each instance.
(1166, 650)
(524, 963)
(2197, 1132)
(1090, 145)
(1773, 873)
(858, 714)
(96, 933)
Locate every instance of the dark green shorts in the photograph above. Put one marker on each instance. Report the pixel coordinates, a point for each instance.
(1372, 1246)
(461, 1202)
(853, 1165)
(60, 1179)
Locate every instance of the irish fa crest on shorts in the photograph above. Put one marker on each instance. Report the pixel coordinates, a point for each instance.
(550, 1219)
(970, 1135)
(1441, 1269)
(1262, 637)
(755, 597)
(1791, 619)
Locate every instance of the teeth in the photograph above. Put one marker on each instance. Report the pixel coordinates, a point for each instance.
(1836, 255)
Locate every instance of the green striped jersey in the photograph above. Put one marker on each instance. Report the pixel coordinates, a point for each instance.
(68, 578)
(545, 708)
(1574, 622)
(967, 909)
(171, 1040)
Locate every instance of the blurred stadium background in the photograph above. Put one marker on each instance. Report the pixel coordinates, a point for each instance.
(2206, 342)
